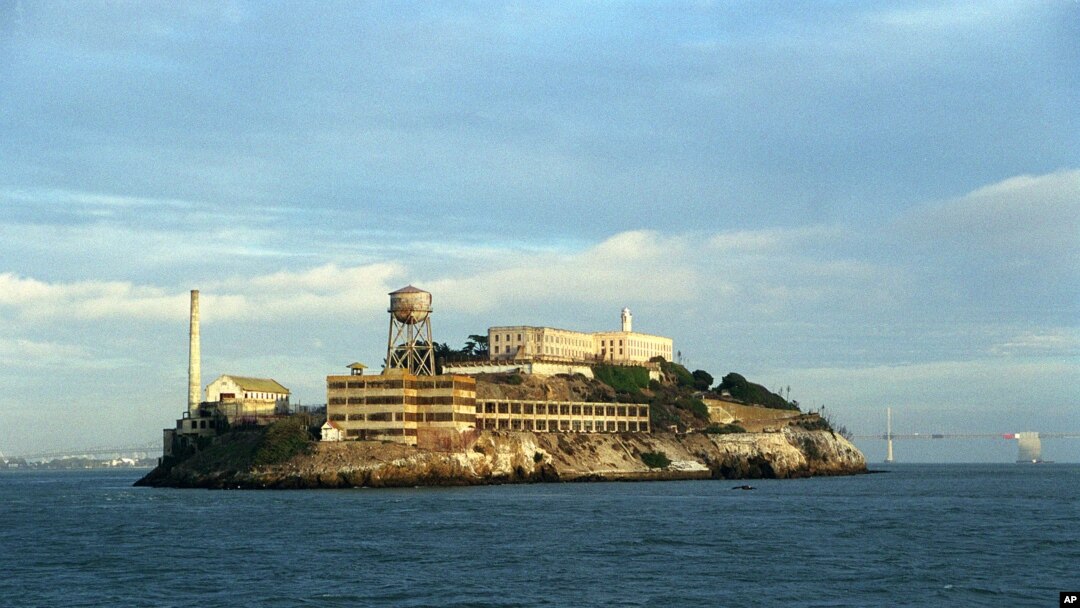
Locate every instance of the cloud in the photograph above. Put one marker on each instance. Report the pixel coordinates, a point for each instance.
(316, 293)
(1027, 216)
(635, 266)
(19, 352)
(1007, 250)
(1049, 343)
(323, 292)
(36, 300)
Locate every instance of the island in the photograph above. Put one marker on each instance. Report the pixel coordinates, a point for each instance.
(703, 437)
(521, 404)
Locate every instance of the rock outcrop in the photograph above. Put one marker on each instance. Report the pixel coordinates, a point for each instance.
(521, 457)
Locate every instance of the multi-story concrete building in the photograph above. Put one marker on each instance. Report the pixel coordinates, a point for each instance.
(526, 343)
(399, 406)
(561, 416)
(435, 411)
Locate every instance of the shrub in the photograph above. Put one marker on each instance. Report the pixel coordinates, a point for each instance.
(693, 405)
(283, 440)
(682, 376)
(702, 379)
(621, 378)
(655, 460)
(814, 424)
(749, 392)
(723, 429)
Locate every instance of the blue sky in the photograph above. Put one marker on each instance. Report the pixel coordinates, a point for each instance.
(876, 204)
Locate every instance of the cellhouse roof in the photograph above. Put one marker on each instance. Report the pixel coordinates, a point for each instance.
(262, 385)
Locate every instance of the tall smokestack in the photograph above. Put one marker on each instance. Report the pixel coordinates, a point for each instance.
(194, 358)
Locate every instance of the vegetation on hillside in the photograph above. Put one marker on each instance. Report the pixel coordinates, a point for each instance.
(283, 440)
(655, 460)
(723, 429)
(628, 380)
(748, 392)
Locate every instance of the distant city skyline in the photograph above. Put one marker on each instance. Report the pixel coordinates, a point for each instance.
(876, 204)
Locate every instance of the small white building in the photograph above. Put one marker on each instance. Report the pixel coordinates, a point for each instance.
(332, 432)
(240, 396)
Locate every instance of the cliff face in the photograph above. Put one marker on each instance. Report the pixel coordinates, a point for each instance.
(515, 457)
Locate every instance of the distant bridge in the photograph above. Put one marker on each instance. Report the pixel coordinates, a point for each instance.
(143, 451)
(1029, 443)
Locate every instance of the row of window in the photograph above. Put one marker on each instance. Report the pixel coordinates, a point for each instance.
(397, 400)
(404, 417)
(255, 395)
(373, 433)
(400, 384)
(194, 425)
(563, 409)
(579, 426)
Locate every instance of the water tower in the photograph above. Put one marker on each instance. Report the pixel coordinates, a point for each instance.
(409, 346)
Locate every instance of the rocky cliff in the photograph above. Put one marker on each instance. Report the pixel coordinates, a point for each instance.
(516, 457)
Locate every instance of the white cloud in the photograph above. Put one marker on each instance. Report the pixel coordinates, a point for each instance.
(318, 292)
(1027, 217)
(643, 266)
(22, 351)
(322, 292)
(1049, 343)
(86, 300)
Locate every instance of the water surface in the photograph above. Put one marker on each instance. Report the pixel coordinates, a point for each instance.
(920, 535)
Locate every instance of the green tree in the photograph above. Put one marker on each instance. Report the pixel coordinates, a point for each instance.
(476, 346)
(749, 392)
(702, 379)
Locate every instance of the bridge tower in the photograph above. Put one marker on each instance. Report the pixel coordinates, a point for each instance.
(888, 435)
(1029, 448)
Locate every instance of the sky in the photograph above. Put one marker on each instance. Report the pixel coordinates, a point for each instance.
(874, 204)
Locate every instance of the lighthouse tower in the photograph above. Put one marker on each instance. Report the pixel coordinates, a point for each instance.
(627, 320)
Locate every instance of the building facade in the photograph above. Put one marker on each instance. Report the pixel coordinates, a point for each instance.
(243, 397)
(562, 416)
(400, 406)
(436, 411)
(522, 342)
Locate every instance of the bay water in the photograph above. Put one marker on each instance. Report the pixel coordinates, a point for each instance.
(916, 535)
